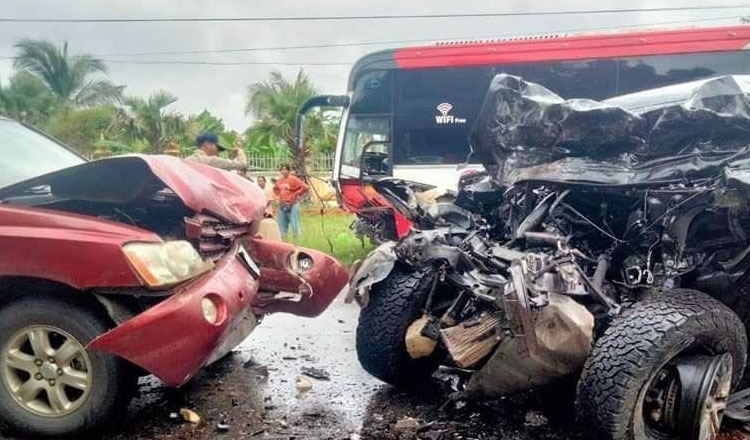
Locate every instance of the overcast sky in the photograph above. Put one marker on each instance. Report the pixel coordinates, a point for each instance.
(222, 89)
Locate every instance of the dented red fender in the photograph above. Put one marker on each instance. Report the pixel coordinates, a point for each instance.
(172, 340)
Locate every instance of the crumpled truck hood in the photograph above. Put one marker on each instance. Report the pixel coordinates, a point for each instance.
(121, 179)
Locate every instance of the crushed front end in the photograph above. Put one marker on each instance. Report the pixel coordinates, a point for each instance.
(198, 277)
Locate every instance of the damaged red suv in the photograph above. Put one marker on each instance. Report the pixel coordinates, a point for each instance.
(129, 266)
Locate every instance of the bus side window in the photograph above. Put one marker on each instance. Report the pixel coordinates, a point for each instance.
(592, 79)
(648, 72)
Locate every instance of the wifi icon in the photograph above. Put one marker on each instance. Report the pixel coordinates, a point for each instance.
(444, 108)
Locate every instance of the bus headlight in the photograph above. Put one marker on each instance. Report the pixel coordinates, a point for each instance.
(165, 264)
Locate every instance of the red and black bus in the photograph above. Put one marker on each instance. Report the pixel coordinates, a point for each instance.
(416, 106)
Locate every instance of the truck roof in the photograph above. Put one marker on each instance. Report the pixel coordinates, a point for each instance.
(556, 48)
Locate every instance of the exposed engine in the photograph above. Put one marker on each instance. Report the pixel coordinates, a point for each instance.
(537, 256)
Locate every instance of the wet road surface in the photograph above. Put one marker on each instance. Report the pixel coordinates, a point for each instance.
(252, 394)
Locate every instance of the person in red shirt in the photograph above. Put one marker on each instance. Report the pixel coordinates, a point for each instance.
(289, 190)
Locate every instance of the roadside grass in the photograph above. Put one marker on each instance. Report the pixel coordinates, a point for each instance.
(335, 225)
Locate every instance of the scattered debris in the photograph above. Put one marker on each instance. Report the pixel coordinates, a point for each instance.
(289, 358)
(257, 433)
(222, 427)
(250, 363)
(174, 416)
(316, 373)
(190, 416)
(535, 419)
(303, 384)
(407, 424)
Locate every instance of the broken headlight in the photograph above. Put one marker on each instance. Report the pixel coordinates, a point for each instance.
(165, 264)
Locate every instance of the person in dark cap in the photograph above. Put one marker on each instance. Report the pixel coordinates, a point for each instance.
(207, 153)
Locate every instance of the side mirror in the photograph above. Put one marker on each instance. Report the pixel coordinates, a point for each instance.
(372, 162)
(341, 101)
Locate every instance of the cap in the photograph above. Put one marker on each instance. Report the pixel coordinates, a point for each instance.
(209, 137)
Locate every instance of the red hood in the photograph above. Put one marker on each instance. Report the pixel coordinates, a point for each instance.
(122, 179)
(207, 189)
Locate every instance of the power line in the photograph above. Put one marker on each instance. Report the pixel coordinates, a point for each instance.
(364, 17)
(353, 44)
(418, 40)
(230, 63)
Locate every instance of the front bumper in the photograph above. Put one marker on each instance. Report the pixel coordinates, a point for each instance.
(172, 340)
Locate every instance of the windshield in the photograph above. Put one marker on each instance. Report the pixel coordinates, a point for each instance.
(28, 154)
(361, 130)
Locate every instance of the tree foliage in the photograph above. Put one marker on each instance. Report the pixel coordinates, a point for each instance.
(149, 119)
(274, 103)
(82, 128)
(75, 80)
(26, 99)
(70, 97)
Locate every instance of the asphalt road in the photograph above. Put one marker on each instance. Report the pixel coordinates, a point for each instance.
(252, 394)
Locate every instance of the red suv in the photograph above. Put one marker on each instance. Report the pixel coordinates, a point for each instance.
(129, 266)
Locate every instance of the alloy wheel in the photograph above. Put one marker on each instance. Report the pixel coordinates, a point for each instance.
(46, 370)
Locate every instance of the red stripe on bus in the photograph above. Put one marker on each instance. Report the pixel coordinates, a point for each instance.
(576, 48)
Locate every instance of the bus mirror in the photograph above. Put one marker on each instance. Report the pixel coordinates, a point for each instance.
(331, 101)
(374, 159)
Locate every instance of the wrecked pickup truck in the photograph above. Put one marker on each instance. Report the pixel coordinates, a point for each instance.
(129, 266)
(609, 240)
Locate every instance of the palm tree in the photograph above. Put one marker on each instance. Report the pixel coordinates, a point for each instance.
(274, 103)
(149, 120)
(26, 99)
(71, 78)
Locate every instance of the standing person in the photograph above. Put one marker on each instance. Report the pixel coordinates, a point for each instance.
(289, 190)
(208, 154)
(268, 191)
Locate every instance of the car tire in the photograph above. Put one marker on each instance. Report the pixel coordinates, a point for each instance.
(394, 304)
(109, 381)
(625, 361)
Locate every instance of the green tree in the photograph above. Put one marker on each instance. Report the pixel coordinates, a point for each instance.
(149, 120)
(274, 103)
(83, 128)
(74, 79)
(26, 99)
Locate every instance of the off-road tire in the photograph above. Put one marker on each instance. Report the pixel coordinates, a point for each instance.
(395, 303)
(639, 343)
(113, 380)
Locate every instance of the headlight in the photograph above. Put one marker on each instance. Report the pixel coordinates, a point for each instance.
(165, 264)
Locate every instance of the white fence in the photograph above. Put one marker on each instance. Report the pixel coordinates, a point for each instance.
(316, 162)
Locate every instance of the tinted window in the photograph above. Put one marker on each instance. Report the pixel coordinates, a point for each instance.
(595, 79)
(643, 73)
(373, 93)
(434, 111)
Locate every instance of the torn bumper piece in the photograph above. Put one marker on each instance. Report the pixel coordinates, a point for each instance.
(295, 280)
(173, 340)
